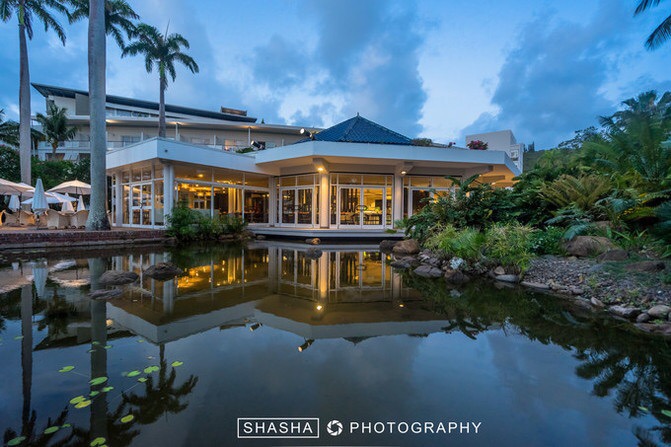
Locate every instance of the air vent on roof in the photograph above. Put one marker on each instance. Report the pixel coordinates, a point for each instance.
(233, 111)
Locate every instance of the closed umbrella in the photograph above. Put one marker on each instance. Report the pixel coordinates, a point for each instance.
(39, 204)
(72, 187)
(66, 206)
(14, 203)
(40, 278)
(80, 204)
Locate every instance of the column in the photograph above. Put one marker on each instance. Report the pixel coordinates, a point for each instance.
(324, 204)
(118, 200)
(272, 202)
(397, 198)
(168, 189)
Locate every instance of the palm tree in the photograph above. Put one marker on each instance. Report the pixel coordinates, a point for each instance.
(662, 33)
(25, 11)
(97, 219)
(8, 131)
(55, 126)
(119, 16)
(163, 50)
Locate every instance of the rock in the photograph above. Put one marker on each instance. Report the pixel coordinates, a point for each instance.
(260, 237)
(535, 285)
(597, 303)
(386, 246)
(508, 278)
(117, 278)
(400, 264)
(613, 255)
(651, 328)
(104, 294)
(625, 312)
(660, 312)
(427, 271)
(588, 246)
(643, 318)
(413, 261)
(406, 247)
(456, 263)
(313, 253)
(313, 241)
(163, 271)
(646, 267)
(456, 277)
(576, 290)
(499, 271)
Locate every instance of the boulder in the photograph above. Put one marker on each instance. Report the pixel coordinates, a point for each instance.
(597, 303)
(646, 267)
(625, 312)
(163, 271)
(508, 278)
(313, 253)
(427, 271)
(499, 271)
(588, 246)
(313, 241)
(613, 255)
(386, 246)
(104, 294)
(643, 318)
(576, 290)
(400, 264)
(456, 277)
(535, 285)
(117, 277)
(659, 312)
(406, 247)
(651, 328)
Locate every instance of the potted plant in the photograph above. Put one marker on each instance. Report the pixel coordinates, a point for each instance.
(477, 145)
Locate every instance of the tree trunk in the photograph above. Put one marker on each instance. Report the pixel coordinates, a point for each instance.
(98, 419)
(26, 353)
(24, 99)
(161, 109)
(97, 219)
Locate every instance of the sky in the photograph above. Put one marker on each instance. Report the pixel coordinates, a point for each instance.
(437, 69)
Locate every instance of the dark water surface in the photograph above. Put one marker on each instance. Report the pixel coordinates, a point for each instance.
(266, 332)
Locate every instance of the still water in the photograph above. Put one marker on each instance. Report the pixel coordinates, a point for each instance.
(266, 332)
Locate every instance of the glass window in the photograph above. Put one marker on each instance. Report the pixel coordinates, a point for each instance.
(306, 179)
(288, 181)
(256, 206)
(349, 179)
(137, 175)
(423, 182)
(374, 179)
(256, 180)
(158, 203)
(228, 177)
(441, 182)
(146, 174)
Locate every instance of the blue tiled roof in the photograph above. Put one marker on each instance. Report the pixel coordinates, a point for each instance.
(361, 130)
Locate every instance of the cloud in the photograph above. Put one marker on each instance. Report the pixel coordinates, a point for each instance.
(364, 59)
(551, 83)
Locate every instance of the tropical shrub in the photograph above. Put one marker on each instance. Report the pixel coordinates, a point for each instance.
(510, 245)
(465, 243)
(186, 224)
(548, 241)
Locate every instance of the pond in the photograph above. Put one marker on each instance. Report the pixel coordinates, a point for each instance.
(267, 331)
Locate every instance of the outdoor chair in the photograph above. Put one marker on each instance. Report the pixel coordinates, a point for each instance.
(78, 219)
(2, 217)
(41, 219)
(26, 218)
(56, 219)
(11, 219)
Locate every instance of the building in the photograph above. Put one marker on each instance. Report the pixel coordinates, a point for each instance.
(130, 121)
(354, 179)
(502, 140)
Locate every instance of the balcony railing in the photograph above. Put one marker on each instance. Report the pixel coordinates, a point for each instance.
(78, 146)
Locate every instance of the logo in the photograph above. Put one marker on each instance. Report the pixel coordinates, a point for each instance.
(334, 427)
(279, 428)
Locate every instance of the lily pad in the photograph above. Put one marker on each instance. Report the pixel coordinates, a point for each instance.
(151, 369)
(18, 337)
(107, 389)
(66, 369)
(108, 346)
(66, 425)
(97, 442)
(177, 363)
(142, 379)
(95, 343)
(667, 413)
(16, 441)
(52, 429)
(126, 419)
(83, 404)
(76, 400)
(98, 380)
(133, 373)
(139, 340)
(94, 393)
(643, 409)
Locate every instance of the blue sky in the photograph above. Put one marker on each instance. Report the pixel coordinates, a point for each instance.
(433, 68)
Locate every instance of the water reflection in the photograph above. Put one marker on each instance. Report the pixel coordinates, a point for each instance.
(276, 322)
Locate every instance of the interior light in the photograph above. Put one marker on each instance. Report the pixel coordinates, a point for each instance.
(320, 169)
(200, 176)
(320, 307)
(403, 172)
(401, 305)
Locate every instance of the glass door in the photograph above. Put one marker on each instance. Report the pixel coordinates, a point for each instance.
(350, 207)
(297, 206)
(288, 207)
(141, 204)
(362, 207)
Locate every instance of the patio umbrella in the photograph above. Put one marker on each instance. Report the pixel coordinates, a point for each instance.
(66, 206)
(72, 187)
(53, 198)
(7, 187)
(80, 204)
(14, 203)
(39, 204)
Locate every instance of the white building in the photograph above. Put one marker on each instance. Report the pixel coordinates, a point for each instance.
(502, 140)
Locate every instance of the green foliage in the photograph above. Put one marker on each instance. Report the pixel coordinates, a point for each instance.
(55, 125)
(547, 241)
(52, 172)
(582, 192)
(510, 245)
(186, 224)
(465, 243)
